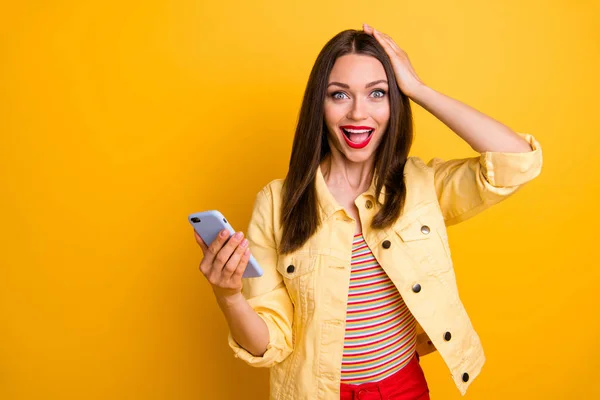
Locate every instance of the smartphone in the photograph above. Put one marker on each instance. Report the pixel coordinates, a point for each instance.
(208, 224)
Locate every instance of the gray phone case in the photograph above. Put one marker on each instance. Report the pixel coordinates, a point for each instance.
(208, 224)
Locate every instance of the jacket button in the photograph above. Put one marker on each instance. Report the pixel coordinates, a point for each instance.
(425, 229)
(369, 204)
(447, 336)
(290, 269)
(465, 377)
(386, 244)
(416, 288)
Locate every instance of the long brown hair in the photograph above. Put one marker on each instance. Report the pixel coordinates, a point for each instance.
(299, 209)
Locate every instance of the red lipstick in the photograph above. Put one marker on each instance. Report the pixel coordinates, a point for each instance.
(348, 130)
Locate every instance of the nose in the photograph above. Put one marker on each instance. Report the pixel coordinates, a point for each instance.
(358, 110)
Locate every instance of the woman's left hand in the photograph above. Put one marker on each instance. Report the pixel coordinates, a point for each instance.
(407, 78)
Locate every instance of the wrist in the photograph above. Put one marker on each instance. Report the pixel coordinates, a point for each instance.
(419, 92)
(229, 300)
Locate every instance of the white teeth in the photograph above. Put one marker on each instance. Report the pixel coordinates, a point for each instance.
(358, 130)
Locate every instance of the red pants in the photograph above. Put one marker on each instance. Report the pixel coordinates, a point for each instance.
(407, 384)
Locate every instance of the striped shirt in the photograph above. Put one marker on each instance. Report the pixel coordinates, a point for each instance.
(380, 334)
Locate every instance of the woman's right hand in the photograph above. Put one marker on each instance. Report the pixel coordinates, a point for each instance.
(224, 265)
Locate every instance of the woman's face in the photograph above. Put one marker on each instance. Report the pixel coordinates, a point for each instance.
(357, 107)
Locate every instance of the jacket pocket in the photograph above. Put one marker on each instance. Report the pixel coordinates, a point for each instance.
(424, 236)
(298, 272)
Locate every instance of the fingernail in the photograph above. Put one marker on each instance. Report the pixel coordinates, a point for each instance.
(224, 233)
(244, 243)
(238, 235)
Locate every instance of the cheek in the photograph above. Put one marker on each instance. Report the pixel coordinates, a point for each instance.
(381, 114)
(333, 113)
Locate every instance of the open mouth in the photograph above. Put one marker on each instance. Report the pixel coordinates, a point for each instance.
(357, 137)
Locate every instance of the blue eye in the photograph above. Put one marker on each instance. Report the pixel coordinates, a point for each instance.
(380, 92)
(338, 95)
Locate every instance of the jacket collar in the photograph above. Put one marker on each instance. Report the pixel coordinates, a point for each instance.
(329, 204)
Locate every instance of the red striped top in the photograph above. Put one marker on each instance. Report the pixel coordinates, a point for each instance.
(380, 334)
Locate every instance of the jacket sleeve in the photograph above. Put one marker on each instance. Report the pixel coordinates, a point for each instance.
(465, 187)
(267, 294)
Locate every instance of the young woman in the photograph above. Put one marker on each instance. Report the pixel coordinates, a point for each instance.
(358, 279)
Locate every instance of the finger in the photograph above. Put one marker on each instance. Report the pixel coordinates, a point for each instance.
(388, 40)
(199, 240)
(368, 29)
(234, 260)
(215, 246)
(241, 268)
(204, 267)
(383, 42)
(226, 252)
(391, 42)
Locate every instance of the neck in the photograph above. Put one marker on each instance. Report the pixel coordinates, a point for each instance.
(339, 172)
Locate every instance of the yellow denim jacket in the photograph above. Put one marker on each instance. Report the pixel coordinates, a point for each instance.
(302, 296)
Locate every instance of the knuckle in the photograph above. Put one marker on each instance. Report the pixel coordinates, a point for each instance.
(241, 268)
(214, 279)
(204, 267)
(222, 257)
(230, 267)
(236, 255)
(233, 259)
(239, 272)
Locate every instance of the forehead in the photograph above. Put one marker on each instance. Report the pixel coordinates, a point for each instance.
(357, 69)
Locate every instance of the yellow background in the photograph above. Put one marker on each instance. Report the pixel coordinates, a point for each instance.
(119, 118)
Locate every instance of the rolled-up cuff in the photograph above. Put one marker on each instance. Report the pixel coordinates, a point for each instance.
(277, 350)
(512, 169)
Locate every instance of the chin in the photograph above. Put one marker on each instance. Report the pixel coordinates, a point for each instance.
(358, 156)
(339, 146)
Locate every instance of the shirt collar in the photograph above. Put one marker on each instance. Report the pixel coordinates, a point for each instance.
(329, 204)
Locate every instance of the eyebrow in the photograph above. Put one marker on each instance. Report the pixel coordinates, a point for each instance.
(368, 85)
